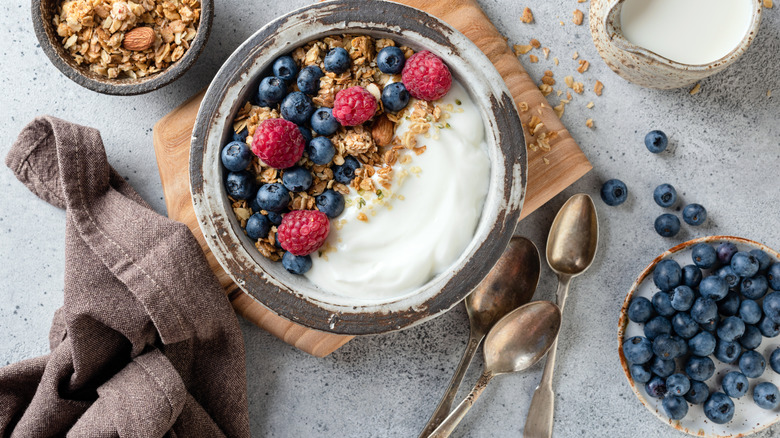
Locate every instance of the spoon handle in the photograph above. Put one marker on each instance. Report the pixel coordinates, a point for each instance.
(539, 422)
(451, 422)
(449, 396)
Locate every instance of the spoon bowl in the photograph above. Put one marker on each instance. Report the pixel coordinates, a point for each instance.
(573, 238)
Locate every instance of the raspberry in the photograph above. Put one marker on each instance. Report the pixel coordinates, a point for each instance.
(303, 231)
(354, 106)
(278, 142)
(426, 76)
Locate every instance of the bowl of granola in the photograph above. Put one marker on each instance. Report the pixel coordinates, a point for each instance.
(356, 175)
(122, 47)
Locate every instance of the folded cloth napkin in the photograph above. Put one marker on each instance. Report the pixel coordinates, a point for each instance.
(146, 343)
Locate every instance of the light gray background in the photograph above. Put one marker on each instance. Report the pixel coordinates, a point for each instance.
(726, 152)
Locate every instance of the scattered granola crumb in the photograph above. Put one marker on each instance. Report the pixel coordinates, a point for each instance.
(523, 106)
(581, 1)
(598, 88)
(559, 92)
(696, 89)
(583, 66)
(533, 58)
(577, 19)
(589, 105)
(528, 16)
(589, 123)
(768, 93)
(535, 43)
(559, 109)
(546, 52)
(578, 87)
(561, 23)
(522, 49)
(768, 4)
(555, 60)
(545, 89)
(575, 55)
(545, 160)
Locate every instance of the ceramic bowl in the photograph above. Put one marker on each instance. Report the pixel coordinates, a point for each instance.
(748, 418)
(43, 12)
(294, 297)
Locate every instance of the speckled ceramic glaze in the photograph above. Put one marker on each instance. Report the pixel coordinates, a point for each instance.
(748, 418)
(294, 297)
(644, 67)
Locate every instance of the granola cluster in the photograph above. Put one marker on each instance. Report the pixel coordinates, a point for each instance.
(93, 32)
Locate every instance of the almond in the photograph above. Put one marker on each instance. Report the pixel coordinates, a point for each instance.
(139, 39)
(383, 131)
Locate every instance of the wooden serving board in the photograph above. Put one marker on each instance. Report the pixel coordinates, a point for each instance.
(567, 163)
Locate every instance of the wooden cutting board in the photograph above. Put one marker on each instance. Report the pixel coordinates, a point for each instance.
(566, 164)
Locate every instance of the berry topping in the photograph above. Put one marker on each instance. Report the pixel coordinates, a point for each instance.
(354, 106)
(426, 76)
(303, 231)
(278, 142)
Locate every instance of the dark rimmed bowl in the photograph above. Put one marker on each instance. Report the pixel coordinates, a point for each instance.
(294, 297)
(43, 12)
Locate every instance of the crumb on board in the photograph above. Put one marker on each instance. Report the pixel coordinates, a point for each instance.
(522, 49)
(577, 18)
(696, 89)
(545, 160)
(528, 16)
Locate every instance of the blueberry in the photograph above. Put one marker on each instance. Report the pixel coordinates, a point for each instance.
(681, 298)
(297, 108)
(241, 136)
(750, 311)
(774, 360)
(704, 310)
(663, 304)
(331, 203)
(714, 287)
(395, 97)
(766, 395)
(667, 275)
(704, 255)
(309, 80)
(640, 310)
(691, 275)
(285, 68)
(729, 306)
(698, 393)
(273, 197)
(275, 218)
(703, 344)
(662, 367)
(699, 368)
(240, 185)
(752, 337)
(236, 156)
(728, 274)
(665, 195)
(667, 225)
(321, 150)
(684, 325)
(719, 408)
(258, 226)
(735, 384)
(752, 364)
(694, 214)
(272, 90)
(656, 387)
(731, 328)
(725, 251)
(744, 264)
(640, 373)
(768, 328)
(306, 133)
(676, 407)
(294, 264)
(727, 352)
(345, 173)
(323, 122)
(276, 241)
(666, 347)
(390, 60)
(657, 326)
(754, 288)
(656, 141)
(678, 384)
(710, 326)
(772, 306)
(614, 192)
(773, 276)
(764, 260)
(638, 349)
(337, 60)
(297, 179)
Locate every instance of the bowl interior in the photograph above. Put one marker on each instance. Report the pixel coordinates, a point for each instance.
(294, 296)
(748, 417)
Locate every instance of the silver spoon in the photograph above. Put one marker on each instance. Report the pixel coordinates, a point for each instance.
(515, 343)
(571, 248)
(510, 284)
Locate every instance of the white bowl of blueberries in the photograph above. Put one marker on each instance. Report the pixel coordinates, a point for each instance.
(698, 337)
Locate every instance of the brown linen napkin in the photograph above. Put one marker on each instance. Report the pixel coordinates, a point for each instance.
(146, 343)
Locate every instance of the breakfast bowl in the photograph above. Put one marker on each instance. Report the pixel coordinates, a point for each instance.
(295, 297)
(748, 417)
(109, 61)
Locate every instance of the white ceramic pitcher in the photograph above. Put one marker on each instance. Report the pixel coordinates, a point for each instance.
(644, 67)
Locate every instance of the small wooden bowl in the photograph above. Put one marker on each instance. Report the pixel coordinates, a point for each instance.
(43, 12)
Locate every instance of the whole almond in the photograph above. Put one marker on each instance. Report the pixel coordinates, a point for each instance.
(139, 39)
(383, 131)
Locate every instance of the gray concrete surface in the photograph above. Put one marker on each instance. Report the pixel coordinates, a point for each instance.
(726, 154)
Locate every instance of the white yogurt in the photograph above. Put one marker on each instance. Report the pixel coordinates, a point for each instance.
(422, 224)
(687, 31)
